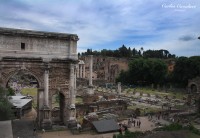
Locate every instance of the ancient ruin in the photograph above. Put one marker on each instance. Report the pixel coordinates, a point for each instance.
(51, 58)
(194, 85)
(104, 68)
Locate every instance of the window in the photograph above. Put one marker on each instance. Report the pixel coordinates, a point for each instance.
(22, 46)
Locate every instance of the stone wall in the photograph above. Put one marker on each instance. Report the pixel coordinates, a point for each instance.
(35, 44)
(106, 68)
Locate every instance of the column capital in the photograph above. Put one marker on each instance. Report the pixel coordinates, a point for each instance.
(72, 66)
(46, 66)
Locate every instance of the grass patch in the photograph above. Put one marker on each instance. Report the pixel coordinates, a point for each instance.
(79, 100)
(147, 109)
(29, 91)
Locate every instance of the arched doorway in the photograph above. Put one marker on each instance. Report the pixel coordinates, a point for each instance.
(194, 85)
(58, 106)
(25, 87)
(193, 88)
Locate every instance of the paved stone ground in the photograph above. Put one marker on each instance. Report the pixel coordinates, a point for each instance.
(146, 125)
(23, 129)
(5, 129)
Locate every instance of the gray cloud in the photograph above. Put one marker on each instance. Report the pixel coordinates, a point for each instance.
(102, 24)
(187, 38)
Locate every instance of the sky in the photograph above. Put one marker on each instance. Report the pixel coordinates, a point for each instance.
(173, 25)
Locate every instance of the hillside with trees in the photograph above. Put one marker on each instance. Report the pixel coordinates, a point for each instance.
(150, 67)
(124, 52)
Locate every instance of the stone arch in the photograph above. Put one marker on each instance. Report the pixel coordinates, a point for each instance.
(39, 79)
(194, 85)
(50, 57)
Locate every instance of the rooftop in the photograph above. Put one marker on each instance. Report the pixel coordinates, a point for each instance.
(33, 33)
(19, 101)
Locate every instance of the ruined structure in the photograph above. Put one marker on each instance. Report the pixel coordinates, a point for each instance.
(51, 58)
(194, 85)
(105, 68)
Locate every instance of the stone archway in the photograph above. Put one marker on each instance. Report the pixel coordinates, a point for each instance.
(194, 85)
(51, 58)
(25, 71)
(193, 88)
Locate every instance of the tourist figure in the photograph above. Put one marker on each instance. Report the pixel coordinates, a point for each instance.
(34, 131)
(129, 123)
(158, 116)
(120, 128)
(125, 127)
(43, 130)
(79, 127)
(134, 123)
(139, 123)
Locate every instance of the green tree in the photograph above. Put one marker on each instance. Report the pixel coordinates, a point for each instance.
(185, 69)
(11, 92)
(144, 71)
(5, 106)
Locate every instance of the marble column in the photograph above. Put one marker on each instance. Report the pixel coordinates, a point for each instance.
(72, 79)
(81, 71)
(45, 110)
(84, 71)
(75, 76)
(46, 87)
(77, 72)
(91, 70)
(119, 89)
(72, 108)
(90, 89)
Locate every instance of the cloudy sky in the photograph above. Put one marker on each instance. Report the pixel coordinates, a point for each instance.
(108, 24)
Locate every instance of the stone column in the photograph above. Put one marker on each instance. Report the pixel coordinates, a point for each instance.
(77, 72)
(45, 110)
(81, 71)
(84, 71)
(91, 70)
(46, 87)
(72, 108)
(75, 76)
(119, 89)
(71, 83)
(90, 89)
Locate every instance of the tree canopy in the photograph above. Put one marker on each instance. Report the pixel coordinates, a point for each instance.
(185, 69)
(125, 52)
(144, 71)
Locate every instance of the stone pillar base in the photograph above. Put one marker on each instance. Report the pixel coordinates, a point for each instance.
(46, 124)
(90, 90)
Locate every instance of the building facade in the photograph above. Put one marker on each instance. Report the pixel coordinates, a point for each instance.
(51, 58)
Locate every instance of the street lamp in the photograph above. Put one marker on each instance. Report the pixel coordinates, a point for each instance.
(199, 37)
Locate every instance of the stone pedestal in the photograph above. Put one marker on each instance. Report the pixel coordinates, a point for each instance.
(90, 90)
(46, 121)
